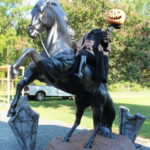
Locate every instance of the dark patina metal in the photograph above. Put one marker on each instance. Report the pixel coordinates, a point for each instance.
(57, 64)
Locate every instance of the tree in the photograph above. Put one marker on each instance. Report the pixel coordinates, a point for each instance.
(130, 56)
(12, 29)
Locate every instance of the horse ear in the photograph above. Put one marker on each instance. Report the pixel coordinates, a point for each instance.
(48, 3)
(53, 2)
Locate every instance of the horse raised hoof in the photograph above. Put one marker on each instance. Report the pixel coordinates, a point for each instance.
(14, 72)
(11, 112)
(106, 132)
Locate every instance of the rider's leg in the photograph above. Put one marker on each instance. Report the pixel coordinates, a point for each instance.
(25, 55)
(84, 56)
(81, 66)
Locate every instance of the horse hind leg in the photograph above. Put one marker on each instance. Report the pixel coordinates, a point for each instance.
(27, 79)
(108, 119)
(98, 101)
(81, 103)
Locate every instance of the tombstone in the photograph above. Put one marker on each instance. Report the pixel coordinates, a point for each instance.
(129, 125)
(24, 125)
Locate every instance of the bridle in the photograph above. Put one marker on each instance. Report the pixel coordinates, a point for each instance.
(39, 34)
(43, 45)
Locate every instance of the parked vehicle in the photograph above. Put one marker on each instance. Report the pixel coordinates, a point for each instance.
(39, 92)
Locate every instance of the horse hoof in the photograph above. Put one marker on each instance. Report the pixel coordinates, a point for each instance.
(65, 140)
(88, 146)
(14, 72)
(11, 112)
(106, 132)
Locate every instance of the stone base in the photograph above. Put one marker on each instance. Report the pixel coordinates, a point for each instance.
(77, 142)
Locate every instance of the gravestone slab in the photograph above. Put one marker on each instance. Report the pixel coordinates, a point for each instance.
(25, 124)
(129, 125)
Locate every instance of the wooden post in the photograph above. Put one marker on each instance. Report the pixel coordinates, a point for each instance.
(22, 75)
(8, 86)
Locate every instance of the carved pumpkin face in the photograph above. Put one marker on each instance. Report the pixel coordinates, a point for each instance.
(115, 16)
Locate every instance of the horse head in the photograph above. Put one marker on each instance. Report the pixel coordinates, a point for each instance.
(48, 15)
(42, 18)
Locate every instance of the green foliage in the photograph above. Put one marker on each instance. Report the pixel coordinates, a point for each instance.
(13, 35)
(130, 56)
(137, 102)
(125, 87)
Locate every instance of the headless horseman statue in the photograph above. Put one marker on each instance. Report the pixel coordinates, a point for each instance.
(93, 48)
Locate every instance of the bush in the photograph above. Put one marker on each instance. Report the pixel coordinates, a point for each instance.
(126, 87)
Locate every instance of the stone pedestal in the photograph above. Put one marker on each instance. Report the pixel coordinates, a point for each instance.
(77, 142)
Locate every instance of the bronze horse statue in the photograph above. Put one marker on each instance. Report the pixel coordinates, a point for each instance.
(56, 65)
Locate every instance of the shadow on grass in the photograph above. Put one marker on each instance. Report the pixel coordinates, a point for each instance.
(52, 102)
(143, 110)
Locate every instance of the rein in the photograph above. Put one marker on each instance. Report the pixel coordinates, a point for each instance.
(43, 45)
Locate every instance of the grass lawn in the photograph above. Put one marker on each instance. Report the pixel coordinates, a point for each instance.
(64, 110)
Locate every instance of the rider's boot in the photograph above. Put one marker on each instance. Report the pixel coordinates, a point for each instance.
(79, 75)
(19, 62)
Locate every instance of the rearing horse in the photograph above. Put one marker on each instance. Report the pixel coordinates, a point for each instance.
(56, 65)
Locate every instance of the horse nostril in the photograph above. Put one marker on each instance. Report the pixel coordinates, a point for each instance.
(30, 29)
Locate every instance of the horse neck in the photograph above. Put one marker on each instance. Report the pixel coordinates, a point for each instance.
(57, 38)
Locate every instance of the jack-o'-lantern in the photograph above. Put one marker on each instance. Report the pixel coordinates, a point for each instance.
(115, 16)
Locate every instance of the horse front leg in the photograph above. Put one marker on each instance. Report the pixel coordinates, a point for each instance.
(21, 60)
(98, 101)
(97, 113)
(26, 79)
(81, 103)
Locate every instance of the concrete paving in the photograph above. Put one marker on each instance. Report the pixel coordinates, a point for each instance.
(47, 130)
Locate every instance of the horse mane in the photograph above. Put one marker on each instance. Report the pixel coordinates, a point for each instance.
(42, 3)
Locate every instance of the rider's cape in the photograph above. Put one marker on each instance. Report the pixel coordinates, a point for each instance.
(96, 43)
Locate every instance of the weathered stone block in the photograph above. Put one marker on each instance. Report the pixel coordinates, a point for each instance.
(24, 125)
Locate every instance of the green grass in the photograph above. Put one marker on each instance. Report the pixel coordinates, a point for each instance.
(64, 110)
